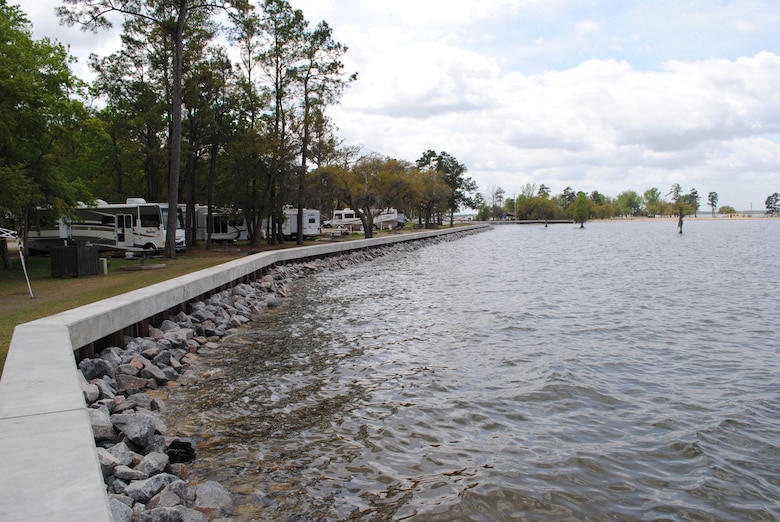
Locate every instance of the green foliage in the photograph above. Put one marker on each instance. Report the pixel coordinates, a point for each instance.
(495, 200)
(712, 201)
(691, 200)
(17, 189)
(40, 122)
(537, 208)
(597, 198)
(567, 197)
(628, 203)
(599, 206)
(483, 213)
(773, 203)
(374, 183)
(654, 205)
(580, 212)
(675, 191)
(452, 173)
(725, 209)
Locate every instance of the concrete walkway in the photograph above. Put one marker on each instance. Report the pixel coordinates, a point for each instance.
(48, 464)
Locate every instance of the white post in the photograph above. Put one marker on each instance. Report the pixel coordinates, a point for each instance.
(10, 234)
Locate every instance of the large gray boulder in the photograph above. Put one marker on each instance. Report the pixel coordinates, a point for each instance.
(122, 453)
(153, 372)
(156, 333)
(107, 462)
(162, 359)
(128, 369)
(127, 384)
(95, 368)
(91, 392)
(102, 426)
(120, 511)
(112, 355)
(106, 390)
(126, 473)
(168, 325)
(153, 463)
(174, 494)
(137, 427)
(212, 499)
(144, 490)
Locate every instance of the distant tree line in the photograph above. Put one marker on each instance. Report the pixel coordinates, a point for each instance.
(536, 203)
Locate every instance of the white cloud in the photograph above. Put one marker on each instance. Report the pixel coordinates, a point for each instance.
(599, 126)
(421, 79)
(428, 13)
(746, 26)
(587, 26)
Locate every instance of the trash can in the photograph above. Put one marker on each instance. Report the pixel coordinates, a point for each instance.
(74, 261)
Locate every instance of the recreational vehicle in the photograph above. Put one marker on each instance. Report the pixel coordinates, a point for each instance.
(181, 238)
(224, 227)
(311, 223)
(134, 224)
(385, 218)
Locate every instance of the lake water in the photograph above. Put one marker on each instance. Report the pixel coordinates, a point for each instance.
(621, 371)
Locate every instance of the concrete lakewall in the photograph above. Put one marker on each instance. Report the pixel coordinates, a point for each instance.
(48, 462)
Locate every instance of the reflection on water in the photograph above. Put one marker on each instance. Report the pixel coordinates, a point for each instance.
(622, 371)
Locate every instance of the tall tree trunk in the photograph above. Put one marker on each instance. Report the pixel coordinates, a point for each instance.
(173, 178)
(190, 223)
(150, 168)
(273, 238)
(210, 188)
(257, 217)
(302, 175)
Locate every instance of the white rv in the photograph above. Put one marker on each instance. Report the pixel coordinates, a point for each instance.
(385, 218)
(134, 224)
(311, 223)
(224, 227)
(181, 241)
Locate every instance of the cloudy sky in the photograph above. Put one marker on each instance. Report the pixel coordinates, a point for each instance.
(604, 95)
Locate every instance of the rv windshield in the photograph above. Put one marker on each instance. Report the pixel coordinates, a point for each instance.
(179, 218)
(149, 215)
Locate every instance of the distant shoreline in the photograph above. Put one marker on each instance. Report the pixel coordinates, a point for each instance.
(707, 217)
(700, 217)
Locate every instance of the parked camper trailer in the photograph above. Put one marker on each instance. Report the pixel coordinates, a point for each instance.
(311, 223)
(386, 218)
(345, 218)
(133, 224)
(224, 227)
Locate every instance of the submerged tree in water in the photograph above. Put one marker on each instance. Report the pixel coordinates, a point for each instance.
(580, 209)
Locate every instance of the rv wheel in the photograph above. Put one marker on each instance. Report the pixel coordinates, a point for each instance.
(150, 246)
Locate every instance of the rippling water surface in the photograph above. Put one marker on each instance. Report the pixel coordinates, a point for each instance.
(622, 371)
